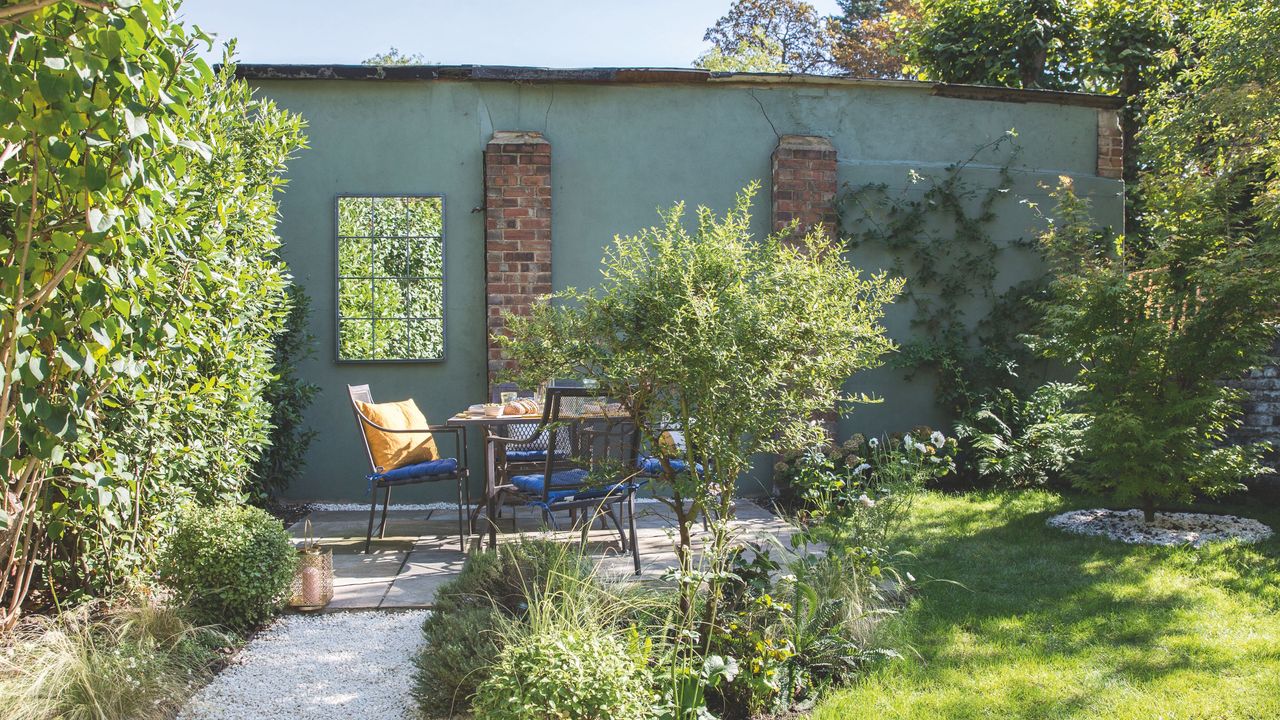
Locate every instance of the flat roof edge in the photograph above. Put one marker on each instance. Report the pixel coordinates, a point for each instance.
(640, 75)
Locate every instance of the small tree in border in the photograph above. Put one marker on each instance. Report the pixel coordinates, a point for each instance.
(1153, 339)
(739, 342)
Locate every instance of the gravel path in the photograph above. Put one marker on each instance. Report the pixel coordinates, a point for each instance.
(344, 666)
(1194, 529)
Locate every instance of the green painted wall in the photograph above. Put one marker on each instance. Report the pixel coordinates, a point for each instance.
(619, 152)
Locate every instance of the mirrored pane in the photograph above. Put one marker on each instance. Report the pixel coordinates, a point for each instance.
(389, 340)
(354, 257)
(426, 299)
(355, 298)
(393, 257)
(354, 216)
(424, 216)
(426, 338)
(389, 298)
(425, 256)
(389, 219)
(355, 340)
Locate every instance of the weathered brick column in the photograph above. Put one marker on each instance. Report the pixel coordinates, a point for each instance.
(1110, 145)
(517, 230)
(804, 189)
(804, 183)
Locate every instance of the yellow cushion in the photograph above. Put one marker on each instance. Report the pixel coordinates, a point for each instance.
(393, 450)
(672, 443)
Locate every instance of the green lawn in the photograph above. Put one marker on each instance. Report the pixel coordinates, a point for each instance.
(1047, 625)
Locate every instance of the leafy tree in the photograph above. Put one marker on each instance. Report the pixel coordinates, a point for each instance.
(866, 36)
(790, 32)
(762, 55)
(994, 42)
(394, 57)
(139, 286)
(1152, 337)
(739, 342)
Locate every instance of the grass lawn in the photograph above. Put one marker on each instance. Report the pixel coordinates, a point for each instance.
(1047, 625)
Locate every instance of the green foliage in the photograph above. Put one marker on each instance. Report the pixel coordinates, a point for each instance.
(993, 42)
(856, 494)
(137, 662)
(461, 635)
(1152, 338)
(566, 673)
(288, 396)
(394, 57)
(736, 341)
(391, 278)
(788, 35)
(762, 55)
(1024, 443)
(1210, 143)
(141, 289)
(232, 565)
(938, 234)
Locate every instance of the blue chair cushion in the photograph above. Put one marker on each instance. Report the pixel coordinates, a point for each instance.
(621, 488)
(651, 465)
(528, 455)
(442, 466)
(532, 484)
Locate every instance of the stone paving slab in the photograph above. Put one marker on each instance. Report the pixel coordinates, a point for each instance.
(420, 551)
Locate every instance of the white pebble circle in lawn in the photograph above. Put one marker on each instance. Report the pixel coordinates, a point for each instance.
(1169, 528)
(343, 666)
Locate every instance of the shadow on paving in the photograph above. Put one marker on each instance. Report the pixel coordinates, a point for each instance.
(420, 552)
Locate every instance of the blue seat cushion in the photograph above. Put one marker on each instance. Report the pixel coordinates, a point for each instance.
(621, 488)
(528, 455)
(651, 465)
(442, 466)
(532, 484)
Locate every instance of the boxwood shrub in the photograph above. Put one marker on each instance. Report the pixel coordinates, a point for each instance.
(231, 564)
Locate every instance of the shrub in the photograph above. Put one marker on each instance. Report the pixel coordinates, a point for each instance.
(1024, 443)
(137, 327)
(140, 662)
(1151, 335)
(288, 396)
(461, 635)
(567, 673)
(856, 493)
(232, 565)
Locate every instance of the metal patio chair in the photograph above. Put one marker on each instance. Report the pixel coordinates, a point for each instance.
(441, 469)
(592, 475)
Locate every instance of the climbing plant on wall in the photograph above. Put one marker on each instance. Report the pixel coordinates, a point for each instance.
(938, 235)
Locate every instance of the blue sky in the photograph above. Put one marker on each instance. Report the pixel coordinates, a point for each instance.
(553, 33)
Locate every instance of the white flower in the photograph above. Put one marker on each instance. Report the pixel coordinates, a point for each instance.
(906, 443)
(935, 459)
(866, 501)
(874, 442)
(920, 447)
(937, 439)
(861, 469)
(904, 461)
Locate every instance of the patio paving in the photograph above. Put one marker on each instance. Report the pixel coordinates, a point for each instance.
(420, 551)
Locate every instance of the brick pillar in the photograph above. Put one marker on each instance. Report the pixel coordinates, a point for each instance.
(517, 230)
(804, 183)
(1110, 145)
(804, 189)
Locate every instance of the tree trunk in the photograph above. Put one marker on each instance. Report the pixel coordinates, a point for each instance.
(1148, 508)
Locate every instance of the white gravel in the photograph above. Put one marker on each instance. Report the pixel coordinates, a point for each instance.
(1193, 529)
(343, 666)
